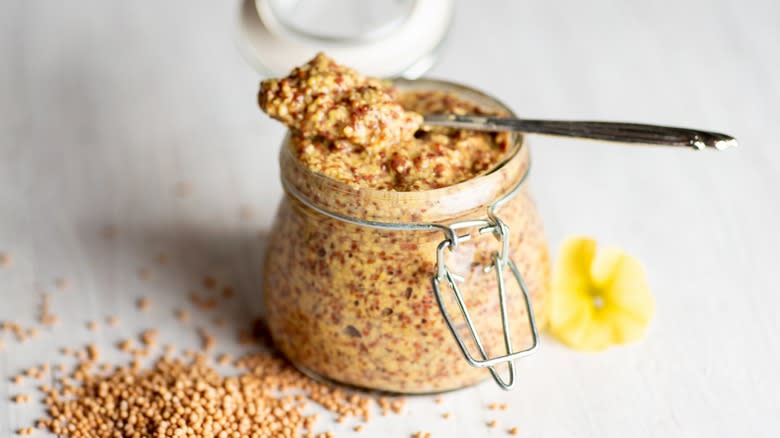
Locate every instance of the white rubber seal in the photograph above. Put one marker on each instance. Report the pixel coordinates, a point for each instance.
(408, 51)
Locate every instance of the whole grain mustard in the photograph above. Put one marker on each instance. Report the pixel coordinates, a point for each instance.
(364, 132)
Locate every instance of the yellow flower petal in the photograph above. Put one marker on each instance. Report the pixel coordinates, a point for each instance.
(626, 327)
(569, 319)
(604, 266)
(622, 282)
(599, 335)
(599, 297)
(572, 268)
(571, 279)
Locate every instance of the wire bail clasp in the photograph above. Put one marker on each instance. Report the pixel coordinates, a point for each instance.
(501, 260)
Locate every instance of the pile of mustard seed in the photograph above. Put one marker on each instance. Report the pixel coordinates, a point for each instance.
(266, 397)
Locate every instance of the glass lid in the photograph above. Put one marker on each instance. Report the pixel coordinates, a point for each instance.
(383, 38)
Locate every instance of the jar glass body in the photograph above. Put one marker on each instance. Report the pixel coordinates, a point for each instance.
(355, 304)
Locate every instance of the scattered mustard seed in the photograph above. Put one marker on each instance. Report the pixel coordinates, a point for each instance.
(150, 337)
(397, 406)
(109, 232)
(62, 283)
(246, 212)
(144, 304)
(49, 320)
(5, 259)
(162, 258)
(144, 274)
(224, 359)
(125, 345)
(182, 315)
(209, 282)
(183, 189)
(19, 332)
(207, 340)
(92, 353)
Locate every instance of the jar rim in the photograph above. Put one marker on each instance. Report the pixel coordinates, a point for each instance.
(436, 204)
(425, 83)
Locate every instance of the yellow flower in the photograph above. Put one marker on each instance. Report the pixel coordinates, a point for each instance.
(599, 297)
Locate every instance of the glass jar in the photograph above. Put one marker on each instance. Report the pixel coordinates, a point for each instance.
(390, 290)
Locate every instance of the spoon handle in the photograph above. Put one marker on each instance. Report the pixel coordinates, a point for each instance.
(607, 131)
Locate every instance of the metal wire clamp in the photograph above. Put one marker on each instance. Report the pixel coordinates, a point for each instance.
(501, 260)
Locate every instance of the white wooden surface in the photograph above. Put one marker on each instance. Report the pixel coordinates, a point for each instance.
(106, 106)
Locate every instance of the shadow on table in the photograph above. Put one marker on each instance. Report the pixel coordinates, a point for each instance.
(212, 272)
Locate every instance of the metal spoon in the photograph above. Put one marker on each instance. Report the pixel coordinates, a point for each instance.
(607, 131)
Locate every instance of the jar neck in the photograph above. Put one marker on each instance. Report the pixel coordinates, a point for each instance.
(443, 205)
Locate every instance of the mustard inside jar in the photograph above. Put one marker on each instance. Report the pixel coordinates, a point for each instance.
(403, 258)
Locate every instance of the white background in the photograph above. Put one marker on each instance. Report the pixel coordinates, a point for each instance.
(106, 106)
